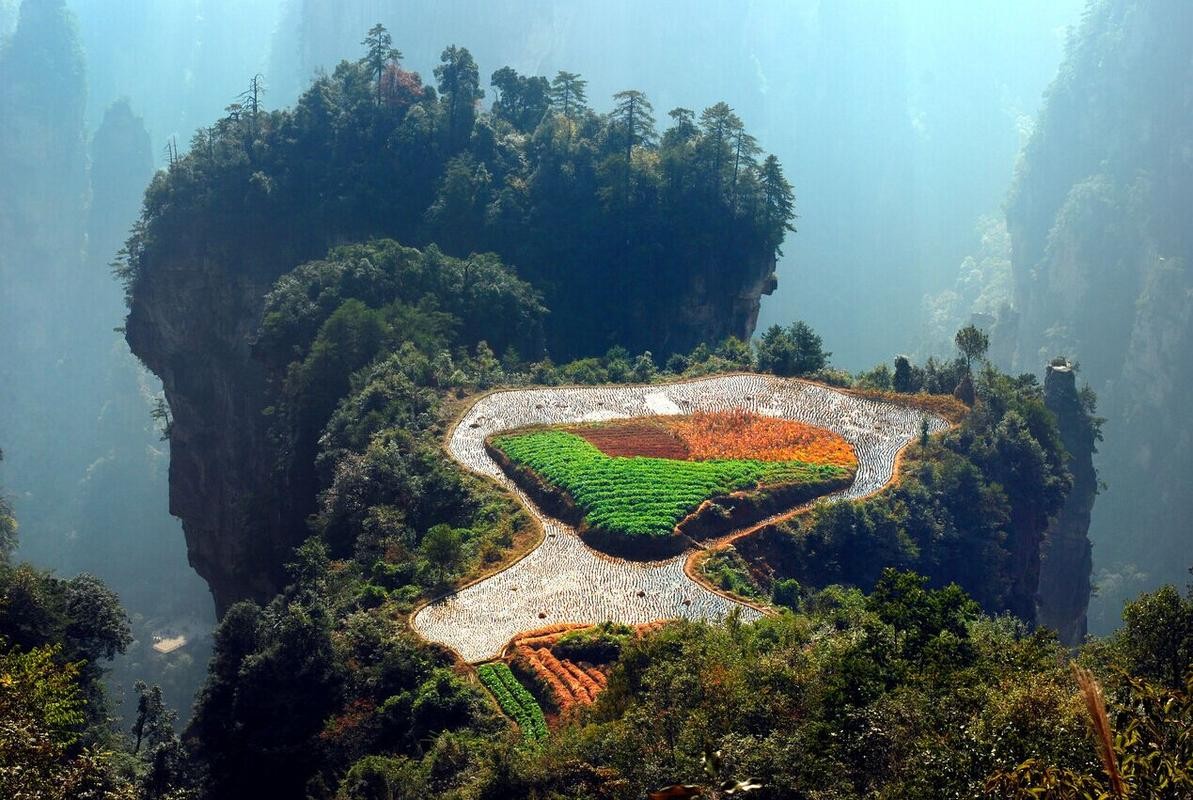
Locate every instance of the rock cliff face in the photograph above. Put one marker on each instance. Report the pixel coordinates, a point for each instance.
(192, 321)
(1101, 255)
(715, 307)
(1066, 561)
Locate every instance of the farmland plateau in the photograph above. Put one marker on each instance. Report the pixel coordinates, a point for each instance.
(563, 579)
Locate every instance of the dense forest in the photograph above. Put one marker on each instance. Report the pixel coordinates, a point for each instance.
(325, 290)
(612, 221)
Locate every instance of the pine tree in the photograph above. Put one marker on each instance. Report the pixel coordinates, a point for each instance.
(778, 205)
(380, 53)
(567, 93)
(634, 118)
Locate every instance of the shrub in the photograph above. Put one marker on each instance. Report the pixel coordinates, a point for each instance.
(786, 592)
(728, 570)
(371, 596)
(599, 644)
(392, 576)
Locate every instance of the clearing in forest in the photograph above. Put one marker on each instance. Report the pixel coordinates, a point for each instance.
(563, 580)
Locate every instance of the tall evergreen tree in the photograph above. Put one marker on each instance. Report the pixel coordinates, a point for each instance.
(683, 126)
(380, 53)
(745, 152)
(719, 125)
(778, 207)
(567, 93)
(634, 117)
(459, 85)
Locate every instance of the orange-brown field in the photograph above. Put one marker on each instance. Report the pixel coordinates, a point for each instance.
(568, 684)
(731, 434)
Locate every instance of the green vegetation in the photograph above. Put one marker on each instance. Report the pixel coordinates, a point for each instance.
(971, 506)
(642, 496)
(907, 692)
(726, 569)
(591, 207)
(796, 350)
(321, 688)
(598, 644)
(973, 344)
(514, 699)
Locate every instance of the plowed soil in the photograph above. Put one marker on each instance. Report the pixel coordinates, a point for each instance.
(635, 438)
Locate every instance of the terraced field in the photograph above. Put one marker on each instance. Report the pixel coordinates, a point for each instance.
(646, 496)
(563, 580)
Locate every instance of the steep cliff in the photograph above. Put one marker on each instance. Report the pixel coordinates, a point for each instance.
(192, 324)
(1067, 562)
(1101, 248)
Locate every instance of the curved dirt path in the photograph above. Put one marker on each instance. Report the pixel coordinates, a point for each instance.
(564, 580)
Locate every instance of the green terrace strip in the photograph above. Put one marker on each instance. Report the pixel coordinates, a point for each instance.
(514, 699)
(640, 495)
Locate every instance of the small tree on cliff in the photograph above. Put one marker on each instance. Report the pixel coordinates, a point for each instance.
(973, 344)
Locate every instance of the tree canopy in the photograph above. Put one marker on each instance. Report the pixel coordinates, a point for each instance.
(614, 223)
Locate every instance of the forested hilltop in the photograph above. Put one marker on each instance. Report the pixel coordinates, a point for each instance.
(652, 242)
(630, 238)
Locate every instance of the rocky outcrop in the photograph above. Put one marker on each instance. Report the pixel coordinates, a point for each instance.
(718, 303)
(260, 194)
(1066, 561)
(192, 320)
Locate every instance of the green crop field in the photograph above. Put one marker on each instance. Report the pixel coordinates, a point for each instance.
(643, 496)
(514, 699)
